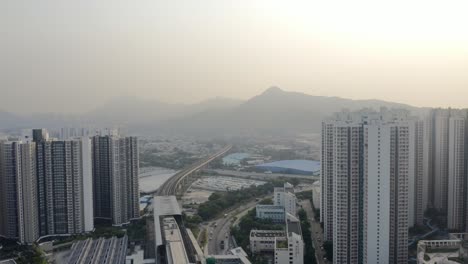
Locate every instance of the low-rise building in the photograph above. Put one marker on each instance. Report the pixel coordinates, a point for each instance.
(264, 240)
(274, 212)
(451, 251)
(236, 256)
(288, 247)
(284, 196)
(290, 250)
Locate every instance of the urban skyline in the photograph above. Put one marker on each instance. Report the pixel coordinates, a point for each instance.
(234, 132)
(49, 186)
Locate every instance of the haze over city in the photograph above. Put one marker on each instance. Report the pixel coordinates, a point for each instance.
(413, 52)
(233, 132)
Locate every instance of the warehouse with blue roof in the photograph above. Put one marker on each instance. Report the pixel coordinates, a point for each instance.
(300, 167)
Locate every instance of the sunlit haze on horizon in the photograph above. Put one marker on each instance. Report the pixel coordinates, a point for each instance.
(73, 56)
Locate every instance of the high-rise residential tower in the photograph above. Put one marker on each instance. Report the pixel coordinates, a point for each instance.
(64, 176)
(445, 164)
(326, 180)
(421, 183)
(18, 191)
(370, 158)
(115, 178)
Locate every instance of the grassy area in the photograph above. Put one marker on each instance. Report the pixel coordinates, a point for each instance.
(195, 230)
(282, 244)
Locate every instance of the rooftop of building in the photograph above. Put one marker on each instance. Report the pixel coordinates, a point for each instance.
(163, 206)
(303, 167)
(270, 206)
(111, 250)
(452, 250)
(293, 225)
(267, 233)
(174, 244)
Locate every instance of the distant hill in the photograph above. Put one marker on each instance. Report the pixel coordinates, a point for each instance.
(275, 111)
(131, 112)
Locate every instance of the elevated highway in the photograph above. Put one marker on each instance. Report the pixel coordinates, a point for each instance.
(167, 205)
(173, 185)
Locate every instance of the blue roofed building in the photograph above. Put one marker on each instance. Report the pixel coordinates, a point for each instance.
(301, 167)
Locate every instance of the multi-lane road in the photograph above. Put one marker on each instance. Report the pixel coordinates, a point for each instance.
(317, 233)
(170, 186)
(219, 230)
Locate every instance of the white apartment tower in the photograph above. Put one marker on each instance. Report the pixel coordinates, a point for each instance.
(370, 158)
(421, 180)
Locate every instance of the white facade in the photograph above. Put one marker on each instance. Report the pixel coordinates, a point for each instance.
(88, 210)
(284, 196)
(316, 194)
(291, 251)
(421, 180)
(387, 174)
(371, 158)
(264, 240)
(288, 247)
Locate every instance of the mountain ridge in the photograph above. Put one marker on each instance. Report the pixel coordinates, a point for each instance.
(273, 111)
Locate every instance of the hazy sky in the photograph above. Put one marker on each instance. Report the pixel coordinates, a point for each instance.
(70, 56)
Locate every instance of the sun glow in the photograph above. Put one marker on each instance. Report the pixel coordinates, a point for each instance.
(367, 20)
